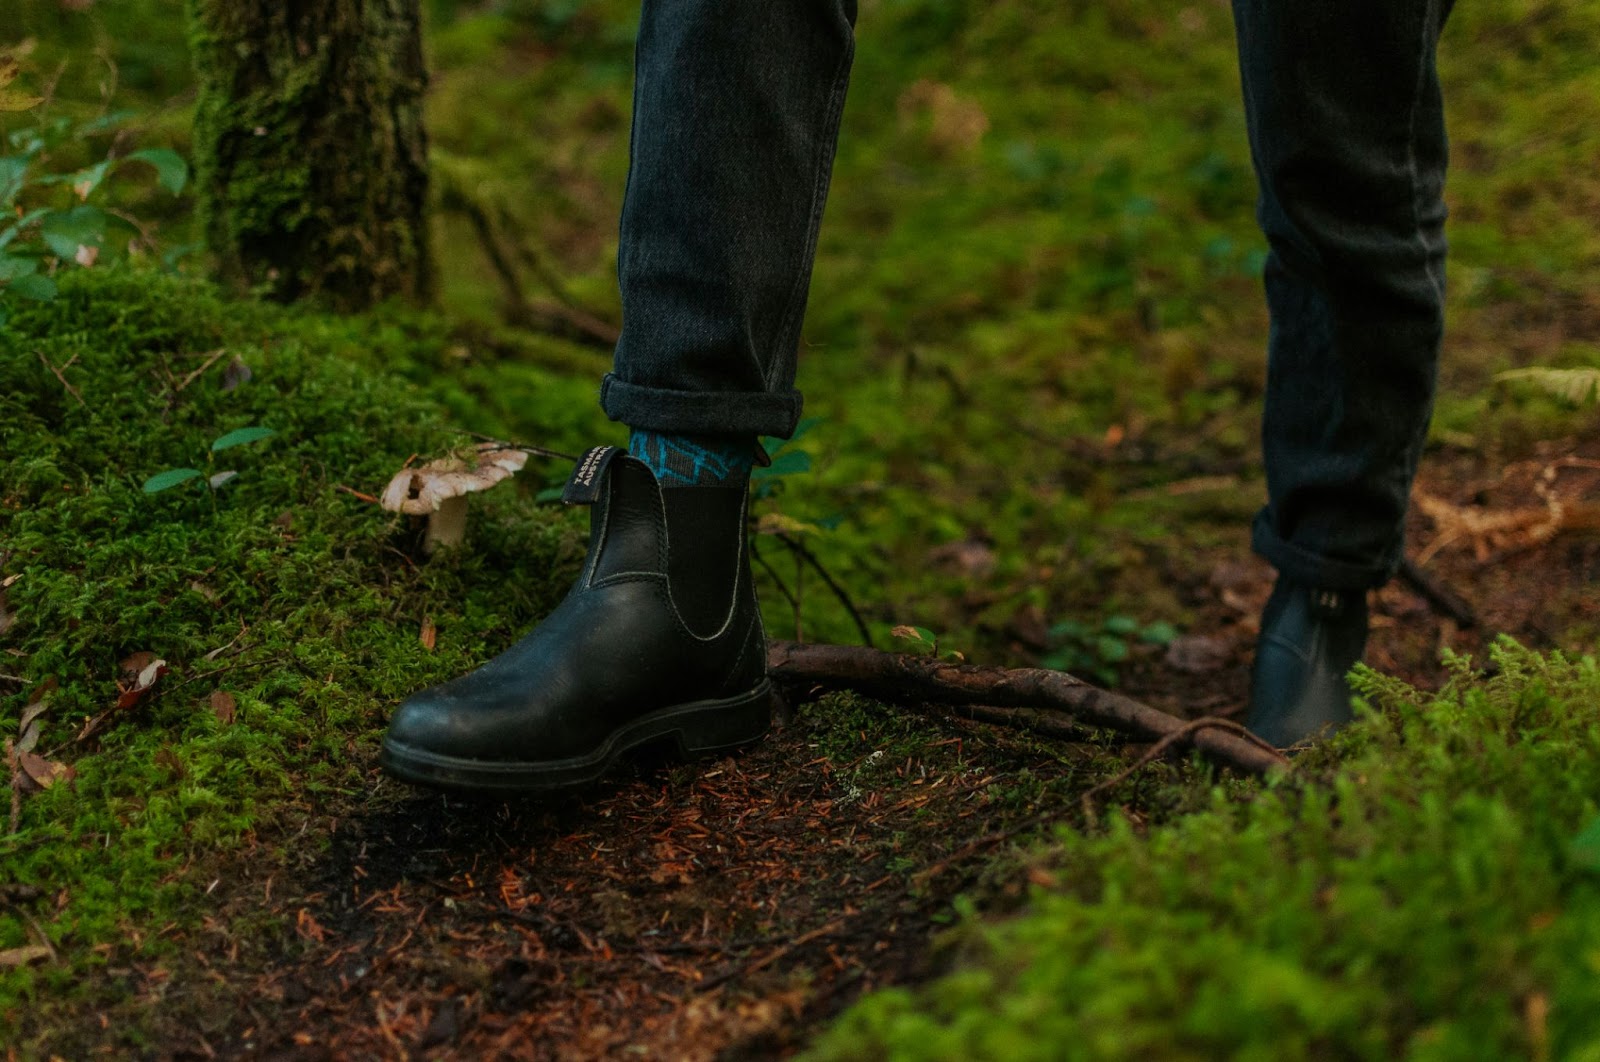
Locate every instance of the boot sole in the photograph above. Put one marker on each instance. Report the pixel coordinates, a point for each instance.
(698, 728)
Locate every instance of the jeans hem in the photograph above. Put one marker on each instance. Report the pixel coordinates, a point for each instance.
(700, 412)
(1311, 569)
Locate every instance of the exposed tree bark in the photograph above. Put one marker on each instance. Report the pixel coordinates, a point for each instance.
(310, 156)
(899, 676)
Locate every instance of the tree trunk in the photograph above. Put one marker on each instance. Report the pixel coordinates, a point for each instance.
(310, 156)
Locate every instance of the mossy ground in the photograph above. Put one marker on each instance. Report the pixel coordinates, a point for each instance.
(1035, 342)
(295, 598)
(1427, 890)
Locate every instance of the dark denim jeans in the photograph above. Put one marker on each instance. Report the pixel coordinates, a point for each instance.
(1347, 134)
(736, 114)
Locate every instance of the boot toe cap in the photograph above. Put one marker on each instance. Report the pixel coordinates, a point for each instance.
(431, 722)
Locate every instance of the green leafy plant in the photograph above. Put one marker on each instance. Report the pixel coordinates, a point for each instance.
(1097, 650)
(787, 460)
(52, 223)
(174, 477)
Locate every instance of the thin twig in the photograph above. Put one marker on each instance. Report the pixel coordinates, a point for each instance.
(230, 667)
(1027, 825)
(1188, 730)
(988, 840)
(12, 760)
(833, 584)
(210, 361)
(355, 493)
(766, 565)
(38, 931)
(537, 451)
(1038, 720)
(799, 596)
(828, 930)
(73, 391)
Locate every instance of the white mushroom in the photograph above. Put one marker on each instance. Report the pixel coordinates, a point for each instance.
(439, 489)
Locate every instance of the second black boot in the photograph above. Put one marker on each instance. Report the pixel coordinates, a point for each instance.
(1310, 639)
(660, 639)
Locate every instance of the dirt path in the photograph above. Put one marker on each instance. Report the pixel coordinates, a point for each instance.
(726, 910)
(679, 912)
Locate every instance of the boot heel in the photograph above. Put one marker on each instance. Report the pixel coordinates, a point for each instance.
(719, 725)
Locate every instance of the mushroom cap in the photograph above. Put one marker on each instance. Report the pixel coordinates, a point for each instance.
(424, 488)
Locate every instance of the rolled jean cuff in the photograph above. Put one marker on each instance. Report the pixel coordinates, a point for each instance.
(1302, 566)
(701, 412)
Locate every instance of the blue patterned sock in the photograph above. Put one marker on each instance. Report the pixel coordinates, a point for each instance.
(694, 460)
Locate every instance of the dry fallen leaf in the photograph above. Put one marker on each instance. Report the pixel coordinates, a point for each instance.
(42, 772)
(224, 707)
(31, 712)
(130, 692)
(28, 737)
(143, 682)
(430, 633)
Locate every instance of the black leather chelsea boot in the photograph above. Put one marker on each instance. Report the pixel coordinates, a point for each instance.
(1310, 639)
(660, 639)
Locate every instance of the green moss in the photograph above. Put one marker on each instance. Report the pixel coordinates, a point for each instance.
(1408, 903)
(293, 596)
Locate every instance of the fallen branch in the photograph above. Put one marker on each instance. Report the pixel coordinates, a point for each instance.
(900, 677)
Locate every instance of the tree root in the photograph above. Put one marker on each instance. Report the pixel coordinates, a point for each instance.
(901, 677)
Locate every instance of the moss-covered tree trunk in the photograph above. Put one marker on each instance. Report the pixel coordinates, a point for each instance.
(310, 155)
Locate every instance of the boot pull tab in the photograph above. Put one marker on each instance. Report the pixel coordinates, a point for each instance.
(583, 488)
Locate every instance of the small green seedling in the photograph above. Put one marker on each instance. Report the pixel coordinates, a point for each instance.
(174, 477)
(920, 640)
